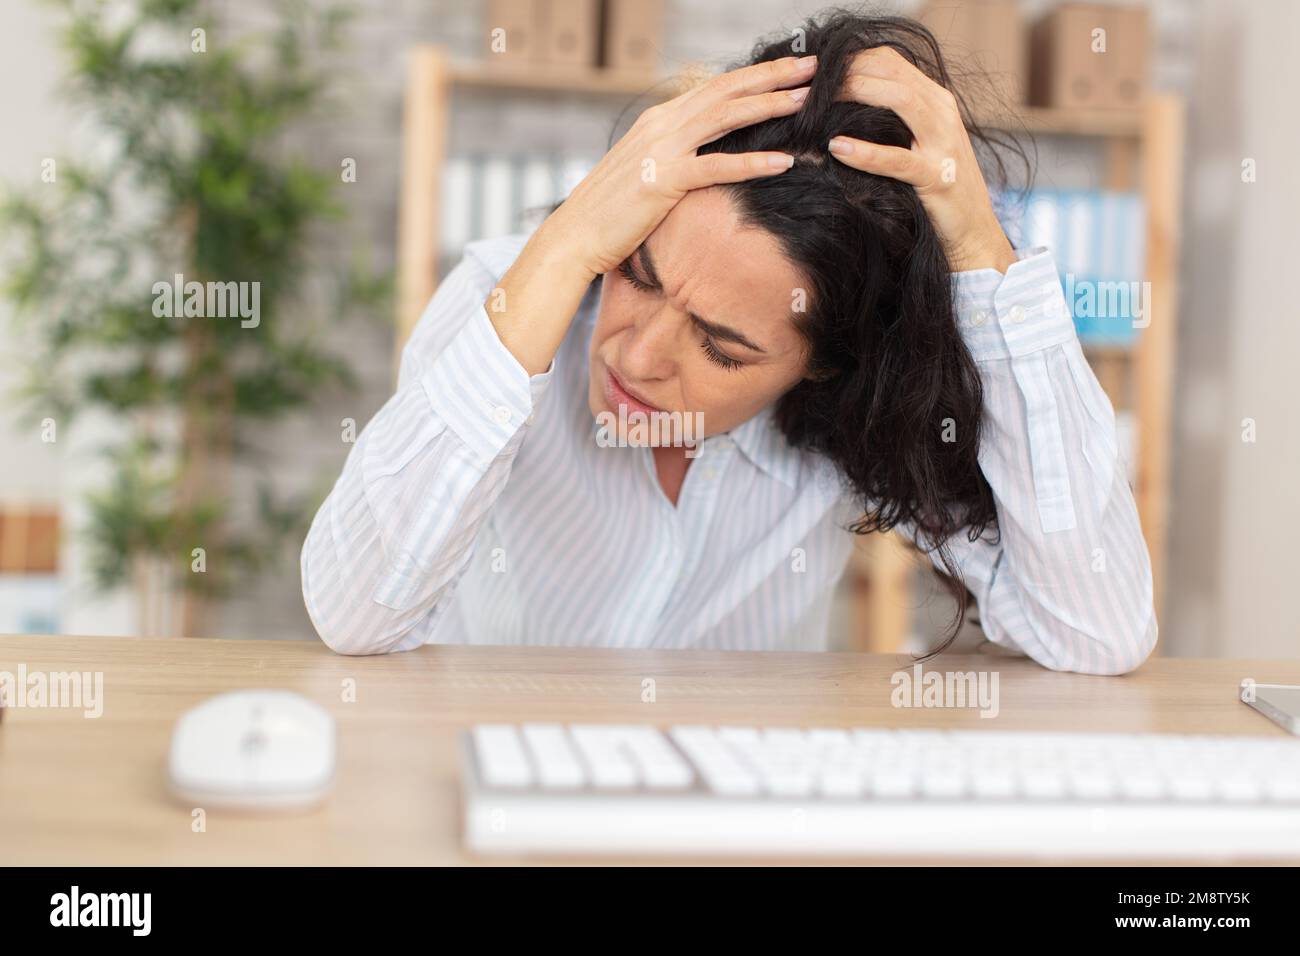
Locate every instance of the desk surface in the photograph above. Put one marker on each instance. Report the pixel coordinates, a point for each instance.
(92, 791)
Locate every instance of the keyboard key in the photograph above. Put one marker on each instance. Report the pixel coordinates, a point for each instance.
(662, 768)
(990, 783)
(894, 782)
(943, 785)
(1092, 784)
(609, 766)
(722, 772)
(1043, 784)
(829, 740)
(1240, 788)
(557, 762)
(501, 756)
(841, 780)
(1283, 789)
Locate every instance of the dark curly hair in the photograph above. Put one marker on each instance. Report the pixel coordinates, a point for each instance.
(893, 398)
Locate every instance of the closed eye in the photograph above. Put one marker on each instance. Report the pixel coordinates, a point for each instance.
(716, 357)
(626, 271)
(711, 351)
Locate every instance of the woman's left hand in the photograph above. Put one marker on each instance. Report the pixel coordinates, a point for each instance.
(941, 162)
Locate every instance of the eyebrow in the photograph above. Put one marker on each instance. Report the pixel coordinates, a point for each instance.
(715, 330)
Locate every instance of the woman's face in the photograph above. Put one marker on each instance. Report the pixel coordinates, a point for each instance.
(704, 324)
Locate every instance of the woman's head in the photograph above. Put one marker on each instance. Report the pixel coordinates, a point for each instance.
(700, 319)
(841, 278)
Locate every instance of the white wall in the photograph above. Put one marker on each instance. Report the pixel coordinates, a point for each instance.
(1236, 506)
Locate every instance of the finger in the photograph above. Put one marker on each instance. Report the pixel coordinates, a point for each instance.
(752, 80)
(892, 161)
(729, 115)
(912, 108)
(888, 64)
(712, 169)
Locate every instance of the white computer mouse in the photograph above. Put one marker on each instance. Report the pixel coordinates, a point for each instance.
(253, 749)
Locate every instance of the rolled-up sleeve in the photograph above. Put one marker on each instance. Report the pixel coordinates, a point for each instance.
(394, 535)
(1067, 580)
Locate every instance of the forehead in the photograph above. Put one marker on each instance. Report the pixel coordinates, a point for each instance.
(724, 270)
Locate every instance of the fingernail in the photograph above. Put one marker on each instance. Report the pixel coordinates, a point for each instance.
(800, 94)
(804, 62)
(841, 146)
(780, 162)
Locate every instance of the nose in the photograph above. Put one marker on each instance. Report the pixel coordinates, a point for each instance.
(650, 351)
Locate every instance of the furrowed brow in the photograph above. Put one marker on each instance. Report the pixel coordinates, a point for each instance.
(724, 333)
(647, 265)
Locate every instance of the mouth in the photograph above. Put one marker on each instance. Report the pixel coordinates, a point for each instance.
(617, 394)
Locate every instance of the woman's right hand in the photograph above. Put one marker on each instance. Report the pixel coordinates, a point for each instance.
(630, 191)
(637, 183)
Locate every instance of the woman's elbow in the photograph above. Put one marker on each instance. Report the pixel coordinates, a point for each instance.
(332, 632)
(339, 639)
(1127, 651)
(336, 633)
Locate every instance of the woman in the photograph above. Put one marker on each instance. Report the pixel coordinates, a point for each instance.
(801, 257)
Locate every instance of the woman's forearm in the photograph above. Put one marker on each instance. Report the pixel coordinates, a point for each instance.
(533, 304)
(1069, 582)
(383, 556)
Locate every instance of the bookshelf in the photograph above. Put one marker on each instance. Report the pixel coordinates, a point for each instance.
(1142, 150)
(588, 82)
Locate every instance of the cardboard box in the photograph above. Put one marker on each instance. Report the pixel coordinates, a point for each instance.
(550, 33)
(570, 33)
(1087, 56)
(514, 32)
(982, 37)
(29, 541)
(633, 35)
(43, 542)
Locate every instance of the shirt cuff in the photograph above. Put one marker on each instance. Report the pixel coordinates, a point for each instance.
(480, 390)
(1023, 311)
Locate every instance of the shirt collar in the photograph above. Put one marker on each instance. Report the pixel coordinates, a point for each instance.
(758, 439)
(763, 444)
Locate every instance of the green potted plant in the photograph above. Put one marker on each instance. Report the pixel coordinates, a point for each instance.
(162, 280)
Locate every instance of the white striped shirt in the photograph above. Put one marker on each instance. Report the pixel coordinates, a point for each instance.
(477, 507)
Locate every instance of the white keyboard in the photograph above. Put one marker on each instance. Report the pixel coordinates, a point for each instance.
(552, 789)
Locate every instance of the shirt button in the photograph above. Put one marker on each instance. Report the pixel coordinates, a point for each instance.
(723, 442)
(529, 419)
(1017, 313)
(710, 473)
(501, 415)
(982, 317)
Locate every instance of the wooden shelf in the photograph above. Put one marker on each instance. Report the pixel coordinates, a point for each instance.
(483, 74)
(1104, 124)
(588, 82)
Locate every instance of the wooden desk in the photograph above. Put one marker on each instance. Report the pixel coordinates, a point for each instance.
(92, 791)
